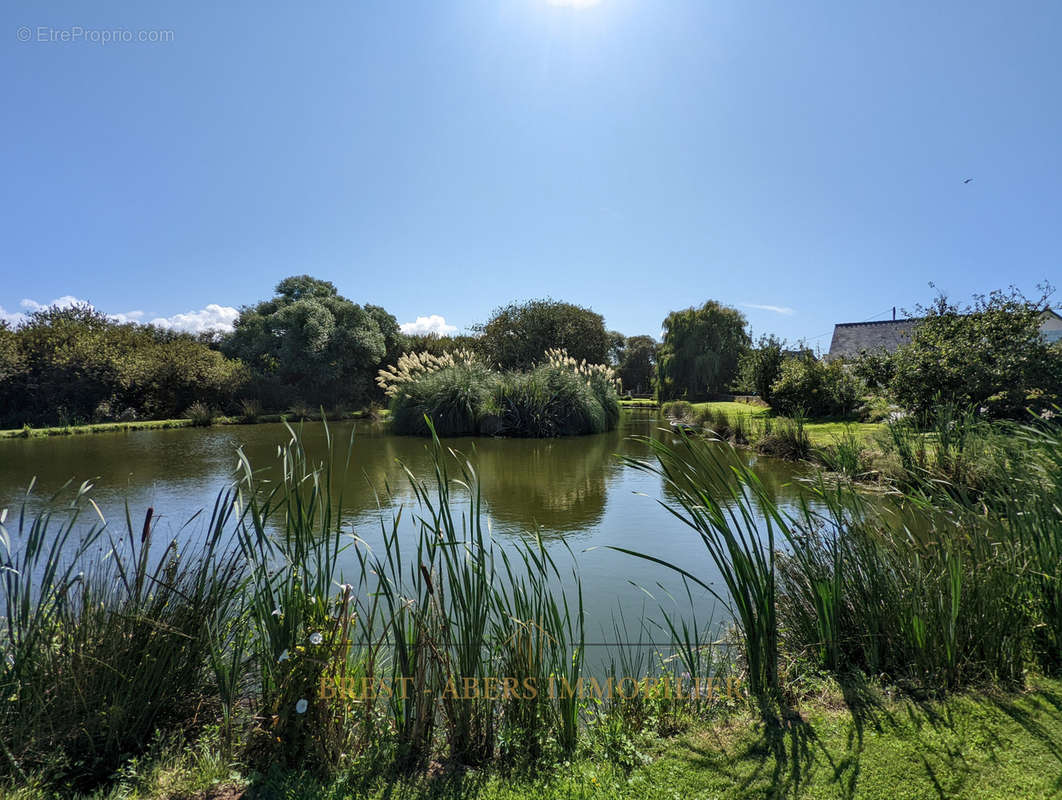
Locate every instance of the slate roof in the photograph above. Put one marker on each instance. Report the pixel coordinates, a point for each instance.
(852, 338)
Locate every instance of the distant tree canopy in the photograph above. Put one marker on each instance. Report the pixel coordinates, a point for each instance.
(309, 343)
(761, 365)
(701, 351)
(637, 364)
(989, 354)
(437, 344)
(68, 365)
(517, 336)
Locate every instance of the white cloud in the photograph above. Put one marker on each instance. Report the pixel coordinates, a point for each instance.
(66, 301)
(211, 318)
(128, 316)
(11, 317)
(214, 317)
(776, 309)
(430, 324)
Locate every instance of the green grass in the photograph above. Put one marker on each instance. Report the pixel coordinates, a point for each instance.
(970, 746)
(819, 432)
(153, 424)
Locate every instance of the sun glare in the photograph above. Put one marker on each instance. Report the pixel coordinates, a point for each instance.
(573, 3)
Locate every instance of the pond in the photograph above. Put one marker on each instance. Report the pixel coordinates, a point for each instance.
(575, 491)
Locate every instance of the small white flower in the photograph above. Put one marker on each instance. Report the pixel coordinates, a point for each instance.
(316, 638)
(277, 612)
(301, 706)
(345, 588)
(283, 657)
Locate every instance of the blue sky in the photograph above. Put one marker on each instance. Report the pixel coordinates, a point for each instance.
(802, 161)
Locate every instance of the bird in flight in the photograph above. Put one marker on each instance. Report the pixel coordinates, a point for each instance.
(967, 180)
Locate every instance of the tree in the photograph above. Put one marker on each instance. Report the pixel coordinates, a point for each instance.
(517, 336)
(700, 352)
(617, 344)
(816, 388)
(988, 355)
(761, 366)
(69, 365)
(637, 366)
(309, 343)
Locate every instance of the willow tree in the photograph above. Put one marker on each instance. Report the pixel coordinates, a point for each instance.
(701, 351)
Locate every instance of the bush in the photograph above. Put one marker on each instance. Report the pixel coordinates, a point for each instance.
(100, 656)
(456, 399)
(250, 409)
(784, 438)
(817, 388)
(64, 365)
(761, 366)
(200, 414)
(679, 410)
(462, 397)
(989, 355)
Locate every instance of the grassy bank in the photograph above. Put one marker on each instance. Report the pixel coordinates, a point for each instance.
(977, 746)
(820, 432)
(28, 432)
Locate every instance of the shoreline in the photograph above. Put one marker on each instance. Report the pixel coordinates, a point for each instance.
(27, 432)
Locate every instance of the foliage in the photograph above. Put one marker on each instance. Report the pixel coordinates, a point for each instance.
(636, 364)
(700, 352)
(987, 355)
(818, 388)
(105, 640)
(875, 368)
(459, 395)
(200, 414)
(517, 337)
(103, 647)
(76, 365)
(457, 398)
(937, 609)
(681, 410)
(761, 366)
(436, 344)
(310, 343)
(732, 513)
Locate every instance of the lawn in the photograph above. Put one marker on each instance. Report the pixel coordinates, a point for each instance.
(970, 746)
(819, 432)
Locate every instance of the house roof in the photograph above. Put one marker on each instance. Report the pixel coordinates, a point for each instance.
(852, 338)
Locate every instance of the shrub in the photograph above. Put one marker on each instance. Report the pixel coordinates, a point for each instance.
(990, 355)
(102, 654)
(761, 366)
(455, 398)
(875, 369)
(818, 388)
(785, 437)
(462, 396)
(200, 414)
(679, 410)
(300, 410)
(250, 409)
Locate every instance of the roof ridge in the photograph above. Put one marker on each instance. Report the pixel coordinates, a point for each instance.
(881, 321)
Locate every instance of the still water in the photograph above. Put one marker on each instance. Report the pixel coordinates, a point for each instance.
(574, 491)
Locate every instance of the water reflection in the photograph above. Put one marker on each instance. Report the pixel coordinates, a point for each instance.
(577, 490)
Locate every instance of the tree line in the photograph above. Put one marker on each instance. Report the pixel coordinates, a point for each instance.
(309, 346)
